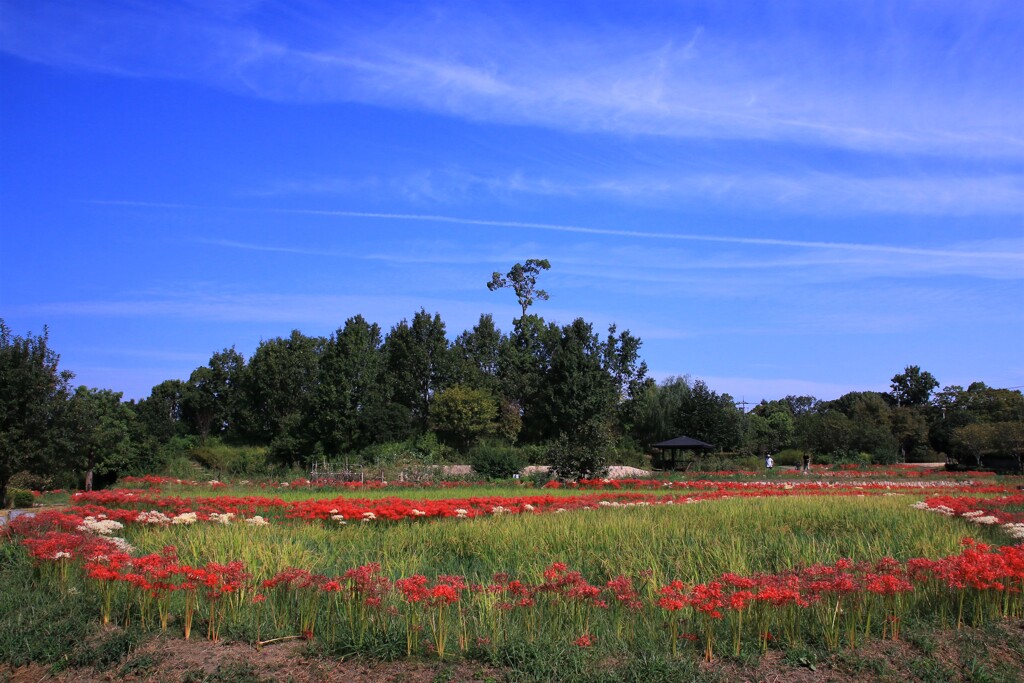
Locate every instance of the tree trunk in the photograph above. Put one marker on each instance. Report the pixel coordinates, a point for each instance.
(88, 473)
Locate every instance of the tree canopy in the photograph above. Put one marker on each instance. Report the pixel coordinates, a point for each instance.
(522, 279)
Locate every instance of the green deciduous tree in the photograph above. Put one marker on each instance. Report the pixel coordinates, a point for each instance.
(97, 431)
(1009, 439)
(211, 397)
(159, 416)
(477, 355)
(352, 390)
(523, 366)
(462, 416)
(582, 452)
(577, 389)
(33, 391)
(418, 362)
(279, 390)
(824, 432)
(769, 434)
(975, 440)
(522, 279)
(678, 408)
(620, 357)
(910, 429)
(913, 387)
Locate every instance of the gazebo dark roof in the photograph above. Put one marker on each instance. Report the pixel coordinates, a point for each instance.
(681, 442)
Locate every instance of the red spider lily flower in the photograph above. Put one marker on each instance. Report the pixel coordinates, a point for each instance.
(586, 640)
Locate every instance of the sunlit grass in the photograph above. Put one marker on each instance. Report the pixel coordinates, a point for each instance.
(693, 542)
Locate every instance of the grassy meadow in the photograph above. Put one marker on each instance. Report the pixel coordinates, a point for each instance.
(693, 542)
(592, 589)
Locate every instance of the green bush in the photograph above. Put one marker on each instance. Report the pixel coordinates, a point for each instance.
(844, 457)
(583, 453)
(422, 450)
(497, 461)
(790, 457)
(631, 454)
(225, 459)
(30, 482)
(20, 498)
(748, 463)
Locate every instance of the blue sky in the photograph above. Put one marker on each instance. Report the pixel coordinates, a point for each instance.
(785, 197)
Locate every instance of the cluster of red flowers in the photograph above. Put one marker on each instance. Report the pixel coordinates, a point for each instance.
(154, 482)
(124, 505)
(888, 479)
(159, 573)
(1007, 509)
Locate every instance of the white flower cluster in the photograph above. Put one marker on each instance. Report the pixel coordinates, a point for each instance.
(417, 513)
(214, 482)
(976, 516)
(340, 519)
(103, 527)
(616, 504)
(498, 510)
(369, 516)
(529, 508)
(152, 517)
(461, 513)
(940, 509)
(122, 545)
(185, 518)
(987, 519)
(1015, 530)
(220, 518)
(257, 521)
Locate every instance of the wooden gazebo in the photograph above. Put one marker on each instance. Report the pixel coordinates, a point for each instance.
(673, 446)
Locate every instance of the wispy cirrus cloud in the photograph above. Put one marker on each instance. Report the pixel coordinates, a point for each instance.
(798, 192)
(667, 236)
(992, 258)
(899, 83)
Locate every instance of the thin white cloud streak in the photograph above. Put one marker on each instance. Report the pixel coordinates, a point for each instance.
(818, 193)
(610, 232)
(640, 234)
(596, 264)
(907, 79)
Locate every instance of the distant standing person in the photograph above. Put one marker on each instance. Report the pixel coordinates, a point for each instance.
(807, 462)
(769, 462)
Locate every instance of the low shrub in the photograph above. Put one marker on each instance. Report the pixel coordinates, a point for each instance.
(497, 461)
(789, 457)
(30, 482)
(630, 453)
(582, 453)
(225, 459)
(20, 498)
(844, 458)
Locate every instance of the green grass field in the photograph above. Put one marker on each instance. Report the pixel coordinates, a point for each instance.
(695, 543)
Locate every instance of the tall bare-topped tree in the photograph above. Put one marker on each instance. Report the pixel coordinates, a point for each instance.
(522, 279)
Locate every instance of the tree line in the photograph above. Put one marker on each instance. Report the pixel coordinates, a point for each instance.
(571, 394)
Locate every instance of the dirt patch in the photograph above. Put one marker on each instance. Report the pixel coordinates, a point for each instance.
(174, 659)
(992, 653)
